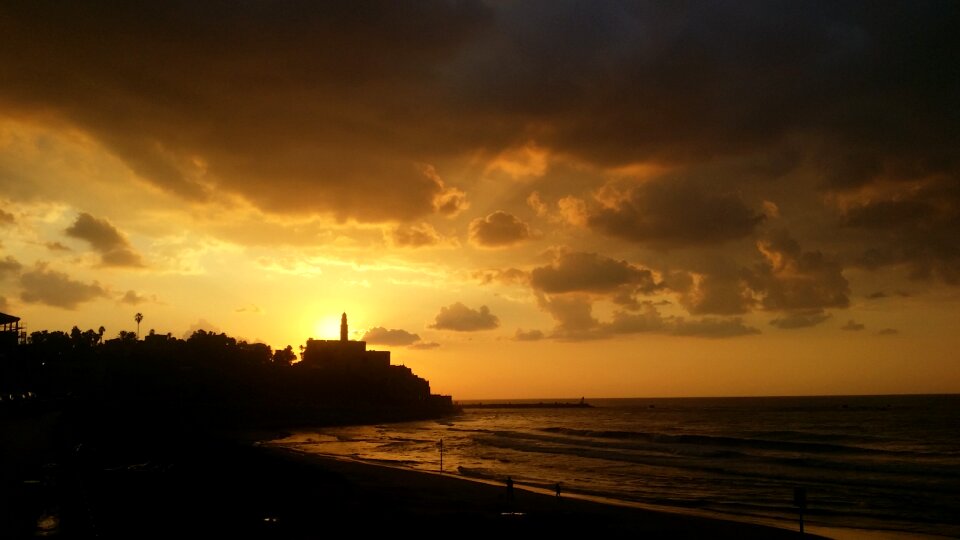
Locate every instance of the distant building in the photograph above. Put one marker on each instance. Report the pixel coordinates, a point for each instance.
(343, 353)
(10, 330)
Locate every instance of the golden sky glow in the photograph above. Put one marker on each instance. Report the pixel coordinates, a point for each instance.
(612, 203)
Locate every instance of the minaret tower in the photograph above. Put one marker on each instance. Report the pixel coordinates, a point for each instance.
(343, 327)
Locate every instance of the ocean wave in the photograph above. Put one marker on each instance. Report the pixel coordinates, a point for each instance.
(894, 473)
(736, 442)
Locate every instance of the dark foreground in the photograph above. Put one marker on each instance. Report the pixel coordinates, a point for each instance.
(223, 488)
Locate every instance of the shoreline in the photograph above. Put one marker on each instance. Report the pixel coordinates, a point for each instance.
(779, 526)
(540, 507)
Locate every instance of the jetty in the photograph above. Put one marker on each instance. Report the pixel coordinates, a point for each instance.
(527, 405)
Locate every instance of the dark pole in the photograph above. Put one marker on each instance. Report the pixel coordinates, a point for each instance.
(441, 455)
(800, 500)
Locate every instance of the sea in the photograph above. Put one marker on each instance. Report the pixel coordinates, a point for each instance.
(886, 464)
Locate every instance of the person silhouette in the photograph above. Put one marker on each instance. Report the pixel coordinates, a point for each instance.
(509, 488)
(558, 489)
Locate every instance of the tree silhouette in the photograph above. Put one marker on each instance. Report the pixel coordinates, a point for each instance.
(138, 317)
(285, 356)
(100, 332)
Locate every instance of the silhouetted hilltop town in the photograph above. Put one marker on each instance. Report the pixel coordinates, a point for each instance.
(206, 382)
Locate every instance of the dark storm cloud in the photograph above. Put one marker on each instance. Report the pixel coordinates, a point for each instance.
(917, 226)
(379, 335)
(591, 272)
(498, 229)
(299, 107)
(461, 318)
(44, 286)
(114, 248)
(334, 108)
(679, 82)
(666, 214)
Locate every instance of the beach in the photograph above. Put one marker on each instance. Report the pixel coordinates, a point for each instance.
(230, 489)
(881, 465)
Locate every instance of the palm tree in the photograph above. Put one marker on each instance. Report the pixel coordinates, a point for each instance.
(138, 317)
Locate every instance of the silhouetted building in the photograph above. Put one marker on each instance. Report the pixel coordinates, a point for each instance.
(343, 353)
(10, 331)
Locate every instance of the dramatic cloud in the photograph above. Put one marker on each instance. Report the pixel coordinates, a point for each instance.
(668, 214)
(43, 286)
(725, 292)
(916, 224)
(6, 218)
(379, 335)
(463, 319)
(802, 319)
(574, 316)
(792, 279)
(9, 267)
(249, 99)
(498, 229)
(419, 235)
(103, 237)
(425, 345)
(590, 272)
(528, 335)
(306, 128)
(575, 322)
(852, 326)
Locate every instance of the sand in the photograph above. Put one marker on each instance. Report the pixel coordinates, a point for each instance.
(271, 493)
(231, 489)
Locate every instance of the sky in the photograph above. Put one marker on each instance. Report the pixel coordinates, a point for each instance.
(518, 199)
